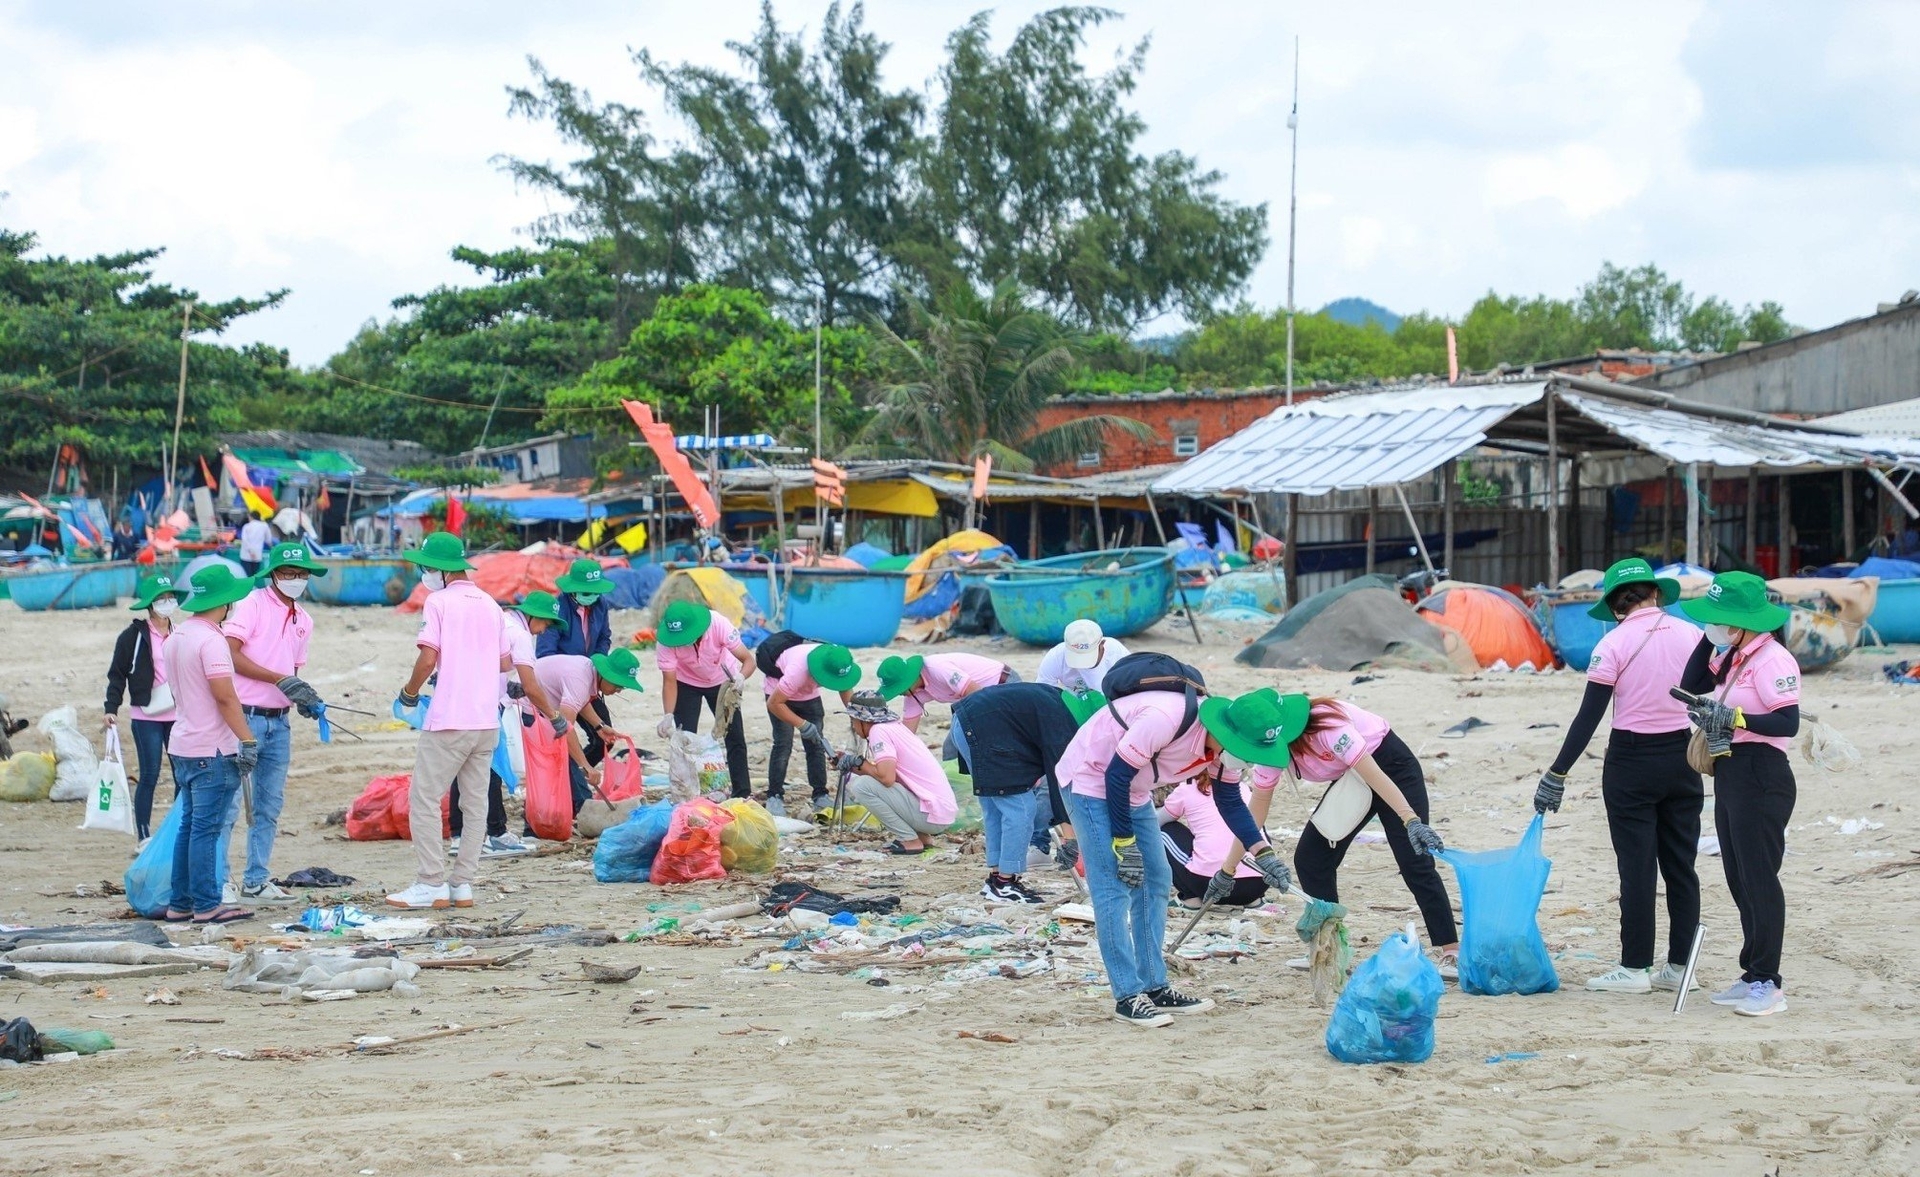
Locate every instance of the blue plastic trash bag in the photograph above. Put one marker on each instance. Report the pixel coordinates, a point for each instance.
(1500, 947)
(503, 764)
(1386, 1012)
(625, 853)
(415, 716)
(149, 880)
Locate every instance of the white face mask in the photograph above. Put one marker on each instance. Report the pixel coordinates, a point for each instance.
(166, 607)
(292, 588)
(434, 580)
(1720, 635)
(1231, 763)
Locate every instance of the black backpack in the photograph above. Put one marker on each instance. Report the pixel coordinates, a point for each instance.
(766, 655)
(1148, 671)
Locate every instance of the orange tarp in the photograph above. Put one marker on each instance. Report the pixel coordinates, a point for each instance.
(508, 577)
(1494, 626)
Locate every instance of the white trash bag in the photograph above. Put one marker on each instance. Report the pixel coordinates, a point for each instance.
(76, 768)
(110, 807)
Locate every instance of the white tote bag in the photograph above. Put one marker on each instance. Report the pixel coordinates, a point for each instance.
(110, 804)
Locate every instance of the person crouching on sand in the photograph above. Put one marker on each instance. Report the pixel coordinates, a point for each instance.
(897, 778)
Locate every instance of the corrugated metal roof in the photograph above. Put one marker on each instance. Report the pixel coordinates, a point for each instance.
(1683, 438)
(1898, 419)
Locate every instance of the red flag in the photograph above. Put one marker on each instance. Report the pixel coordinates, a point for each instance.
(212, 482)
(456, 515)
(325, 500)
(659, 437)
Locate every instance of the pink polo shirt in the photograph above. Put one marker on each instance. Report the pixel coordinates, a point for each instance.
(272, 633)
(570, 680)
(519, 650)
(1766, 678)
(704, 663)
(794, 681)
(1152, 718)
(157, 643)
(946, 678)
(1641, 659)
(196, 654)
(1211, 837)
(1327, 754)
(468, 629)
(915, 769)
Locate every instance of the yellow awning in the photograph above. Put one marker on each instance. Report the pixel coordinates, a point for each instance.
(883, 497)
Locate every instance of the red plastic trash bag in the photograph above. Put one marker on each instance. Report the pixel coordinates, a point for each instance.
(549, 788)
(382, 811)
(621, 775)
(692, 849)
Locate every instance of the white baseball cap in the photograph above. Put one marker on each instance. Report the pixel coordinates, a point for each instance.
(1083, 644)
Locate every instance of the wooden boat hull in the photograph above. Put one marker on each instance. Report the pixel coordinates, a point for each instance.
(1036, 608)
(363, 581)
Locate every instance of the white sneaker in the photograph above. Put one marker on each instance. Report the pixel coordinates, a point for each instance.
(420, 896)
(1038, 859)
(453, 846)
(1448, 967)
(1733, 994)
(1622, 980)
(230, 893)
(1668, 978)
(1763, 998)
(141, 845)
(504, 845)
(460, 894)
(267, 892)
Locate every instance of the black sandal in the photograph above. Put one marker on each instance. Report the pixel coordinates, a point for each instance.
(896, 848)
(222, 915)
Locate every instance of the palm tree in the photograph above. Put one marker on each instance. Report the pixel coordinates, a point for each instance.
(970, 378)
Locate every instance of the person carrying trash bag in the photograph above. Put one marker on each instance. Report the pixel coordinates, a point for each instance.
(578, 689)
(138, 673)
(585, 628)
(896, 778)
(1373, 774)
(1652, 796)
(1008, 739)
(1117, 758)
(699, 651)
(1748, 710)
(795, 675)
(524, 623)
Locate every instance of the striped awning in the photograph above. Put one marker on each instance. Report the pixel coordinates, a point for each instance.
(732, 441)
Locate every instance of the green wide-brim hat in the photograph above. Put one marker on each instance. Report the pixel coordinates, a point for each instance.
(152, 589)
(214, 586)
(293, 554)
(684, 623)
(541, 604)
(442, 551)
(1083, 704)
(1632, 570)
(1257, 726)
(899, 675)
(620, 667)
(1738, 599)
(833, 667)
(584, 576)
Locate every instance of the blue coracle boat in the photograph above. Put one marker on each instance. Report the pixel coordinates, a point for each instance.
(1125, 590)
(80, 586)
(358, 580)
(845, 606)
(1573, 635)
(1896, 611)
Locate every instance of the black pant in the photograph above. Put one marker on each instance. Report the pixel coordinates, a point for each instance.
(686, 713)
(1317, 861)
(590, 742)
(814, 710)
(1178, 841)
(1653, 815)
(1753, 796)
(496, 806)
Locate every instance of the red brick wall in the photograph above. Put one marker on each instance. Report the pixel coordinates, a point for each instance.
(1213, 416)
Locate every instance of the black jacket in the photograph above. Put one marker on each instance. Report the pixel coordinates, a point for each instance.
(1016, 733)
(132, 671)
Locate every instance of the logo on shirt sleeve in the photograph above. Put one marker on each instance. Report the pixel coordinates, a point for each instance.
(1789, 682)
(1596, 662)
(1341, 745)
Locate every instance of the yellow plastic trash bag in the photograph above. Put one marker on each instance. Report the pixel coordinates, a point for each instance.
(750, 842)
(27, 777)
(709, 586)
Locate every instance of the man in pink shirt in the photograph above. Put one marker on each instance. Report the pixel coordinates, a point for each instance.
(267, 633)
(793, 705)
(938, 678)
(463, 639)
(211, 747)
(897, 779)
(699, 651)
(578, 686)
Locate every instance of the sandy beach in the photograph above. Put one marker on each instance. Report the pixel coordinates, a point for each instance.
(705, 1064)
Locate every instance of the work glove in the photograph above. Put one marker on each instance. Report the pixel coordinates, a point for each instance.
(1424, 840)
(847, 761)
(1548, 794)
(561, 725)
(1133, 867)
(300, 693)
(247, 756)
(515, 690)
(666, 727)
(1715, 721)
(810, 733)
(1066, 854)
(1273, 870)
(408, 702)
(1219, 887)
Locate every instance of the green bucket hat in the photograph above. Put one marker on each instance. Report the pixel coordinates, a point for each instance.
(214, 586)
(1632, 570)
(584, 577)
(442, 551)
(1738, 599)
(899, 675)
(540, 604)
(833, 667)
(152, 589)
(1258, 725)
(293, 554)
(684, 623)
(620, 667)
(1084, 704)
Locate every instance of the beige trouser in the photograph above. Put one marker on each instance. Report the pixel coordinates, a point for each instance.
(896, 807)
(441, 759)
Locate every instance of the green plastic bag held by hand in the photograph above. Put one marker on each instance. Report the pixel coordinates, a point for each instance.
(1386, 1012)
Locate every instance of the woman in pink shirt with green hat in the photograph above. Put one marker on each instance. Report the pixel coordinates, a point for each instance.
(138, 673)
(698, 652)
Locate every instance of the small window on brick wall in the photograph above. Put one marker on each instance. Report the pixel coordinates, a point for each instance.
(1186, 445)
(1090, 458)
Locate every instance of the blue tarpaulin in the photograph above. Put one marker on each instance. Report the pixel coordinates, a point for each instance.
(544, 509)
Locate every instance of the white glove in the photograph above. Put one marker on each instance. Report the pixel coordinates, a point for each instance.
(666, 727)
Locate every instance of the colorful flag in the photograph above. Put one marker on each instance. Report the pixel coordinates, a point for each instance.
(982, 470)
(1453, 359)
(456, 515)
(659, 437)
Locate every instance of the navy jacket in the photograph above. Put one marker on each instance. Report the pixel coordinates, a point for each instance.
(1016, 733)
(570, 638)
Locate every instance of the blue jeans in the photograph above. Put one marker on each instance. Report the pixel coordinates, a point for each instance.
(1007, 820)
(1042, 833)
(1131, 921)
(149, 748)
(207, 786)
(275, 737)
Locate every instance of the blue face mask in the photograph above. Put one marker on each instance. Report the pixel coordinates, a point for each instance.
(587, 600)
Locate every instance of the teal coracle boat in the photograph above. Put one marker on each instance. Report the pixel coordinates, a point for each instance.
(1896, 611)
(78, 586)
(1125, 590)
(848, 607)
(1572, 633)
(357, 580)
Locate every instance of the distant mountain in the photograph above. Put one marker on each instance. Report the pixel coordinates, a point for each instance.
(1358, 310)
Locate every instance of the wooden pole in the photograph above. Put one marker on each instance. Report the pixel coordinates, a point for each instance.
(1553, 491)
(1448, 490)
(1576, 555)
(1099, 526)
(1784, 565)
(180, 401)
(1161, 529)
(1753, 517)
(1373, 507)
(1667, 494)
(1693, 513)
(1289, 557)
(1033, 529)
(1846, 514)
(1419, 540)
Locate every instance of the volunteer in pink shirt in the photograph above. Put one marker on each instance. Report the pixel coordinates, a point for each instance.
(463, 641)
(794, 678)
(211, 747)
(524, 621)
(138, 674)
(1749, 711)
(897, 778)
(699, 650)
(938, 678)
(1197, 842)
(578, 687)
(268, 634)
(1653, 797)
